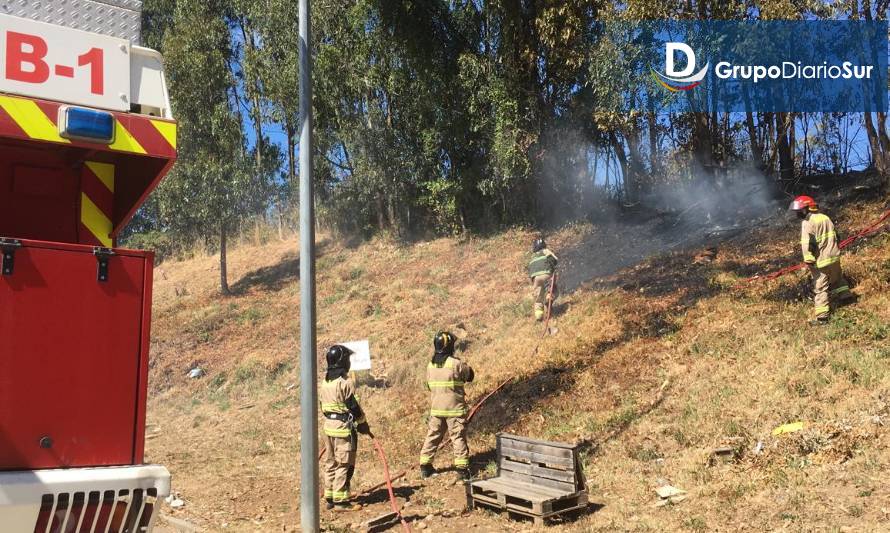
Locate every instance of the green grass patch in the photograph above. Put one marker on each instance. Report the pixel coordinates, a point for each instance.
(863, 367)
(281, 403)
(247, 372)
(252, 316)
(217, 381)
(333, 298)
(695, 523)
(857, 325)
(439, 291)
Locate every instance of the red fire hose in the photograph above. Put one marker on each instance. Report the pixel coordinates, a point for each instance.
(392, 496)
(843, 244)
(472, 413)
(478, 405)
(549, 305)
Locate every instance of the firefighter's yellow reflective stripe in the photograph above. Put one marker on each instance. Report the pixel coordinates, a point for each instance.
(461, 461)
(541, 273)
(333, 406)
(340, 495)
(95, 221)
(328, 494)
(809, 258)
(103, 171)
(31, 119)
(333, 432)
(444, 384)
(823, 238)
(448, 413)
(125, 142)
(822, 309)
(828, 261)
(425, 459)
(842, 288)
(167, 131)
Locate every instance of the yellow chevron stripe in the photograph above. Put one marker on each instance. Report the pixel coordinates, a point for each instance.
(103, 171)
(95, 220)
(124, 141)
(31, 119)
(167, 130)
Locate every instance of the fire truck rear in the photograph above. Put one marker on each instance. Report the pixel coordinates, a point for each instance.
(86, 134)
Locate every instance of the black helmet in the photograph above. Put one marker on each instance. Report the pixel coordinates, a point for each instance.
(538, 245)
(443, 343)
(338, 358)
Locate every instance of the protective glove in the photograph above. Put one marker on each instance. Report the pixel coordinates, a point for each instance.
(364, 429)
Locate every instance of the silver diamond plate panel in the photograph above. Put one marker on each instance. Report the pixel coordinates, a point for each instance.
(117, 18)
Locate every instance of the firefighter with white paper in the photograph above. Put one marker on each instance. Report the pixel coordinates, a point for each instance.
(446, 377)
(344, 419)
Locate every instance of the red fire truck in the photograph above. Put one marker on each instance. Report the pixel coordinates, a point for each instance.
(86, 133)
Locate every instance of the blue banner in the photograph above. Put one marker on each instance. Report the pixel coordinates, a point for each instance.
(762, 66)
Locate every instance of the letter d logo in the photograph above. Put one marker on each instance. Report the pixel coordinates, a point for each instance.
(670, 69)
(679, 80)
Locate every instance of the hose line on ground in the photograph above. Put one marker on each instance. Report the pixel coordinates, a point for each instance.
(392, 496)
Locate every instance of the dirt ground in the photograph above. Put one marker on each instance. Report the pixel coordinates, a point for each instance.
(652, 367)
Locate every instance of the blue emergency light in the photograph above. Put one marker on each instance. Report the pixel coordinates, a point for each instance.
(86, 124)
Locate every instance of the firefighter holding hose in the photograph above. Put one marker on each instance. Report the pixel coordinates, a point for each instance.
(344, 419)
(819, 244)
(446, 377)
(540, 270)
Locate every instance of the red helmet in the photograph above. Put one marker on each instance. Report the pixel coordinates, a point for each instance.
(803, 202)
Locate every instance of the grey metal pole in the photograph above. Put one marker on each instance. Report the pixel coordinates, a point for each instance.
(308, 365)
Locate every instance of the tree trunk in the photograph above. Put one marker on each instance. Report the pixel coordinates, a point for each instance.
(618, 148)
(783, 145)
(883, 135)
(704, 144)
(754, 138)
(636, 163)
(756, 149)
(654, 165)
(291, 152)
(256, 112)
(877, 138)
(874, 142)
(381, 214)
(223, 267)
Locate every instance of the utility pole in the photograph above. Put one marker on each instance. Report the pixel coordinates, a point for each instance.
(308, 371)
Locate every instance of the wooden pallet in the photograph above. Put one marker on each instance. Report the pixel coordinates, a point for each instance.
(537, 479)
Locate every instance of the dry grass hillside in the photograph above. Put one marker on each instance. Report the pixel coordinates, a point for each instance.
(651, 368)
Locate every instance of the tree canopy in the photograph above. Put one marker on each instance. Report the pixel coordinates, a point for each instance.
(444, 117)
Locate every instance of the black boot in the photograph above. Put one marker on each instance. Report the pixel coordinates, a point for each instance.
(464, 474)
(346, 506)
(427, 471)
(329, 503)
(818, 321)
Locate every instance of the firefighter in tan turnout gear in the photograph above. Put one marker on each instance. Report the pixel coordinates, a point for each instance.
(819, 244)
(446, 377)
(344, 418)
(540, 270)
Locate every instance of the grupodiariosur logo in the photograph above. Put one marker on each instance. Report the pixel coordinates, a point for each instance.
(679, 80)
